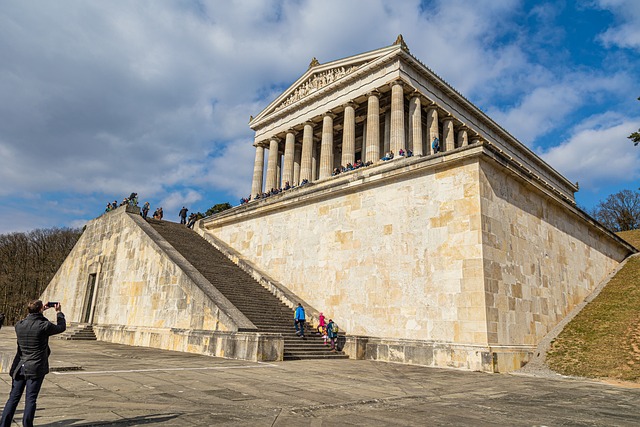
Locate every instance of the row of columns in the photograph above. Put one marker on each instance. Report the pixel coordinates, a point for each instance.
(296, 169)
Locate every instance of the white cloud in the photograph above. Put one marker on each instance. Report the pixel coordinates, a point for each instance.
(598, 153)
(626, 32)
(547, 106)
(103, 98)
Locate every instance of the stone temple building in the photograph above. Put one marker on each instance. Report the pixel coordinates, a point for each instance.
(464, 257)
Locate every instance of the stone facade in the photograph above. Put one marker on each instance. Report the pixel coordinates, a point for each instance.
(454, 244)
(145, 293)
(450, 260)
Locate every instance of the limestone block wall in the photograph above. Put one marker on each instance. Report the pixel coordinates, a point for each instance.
(388, 252)
(541, 258)
(137, 284)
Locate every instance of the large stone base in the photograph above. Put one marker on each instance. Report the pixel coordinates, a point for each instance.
(439, 354)
(252, 346)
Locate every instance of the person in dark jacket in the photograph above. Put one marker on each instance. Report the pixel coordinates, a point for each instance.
(31, 362)
(1, 320)
(183, 215)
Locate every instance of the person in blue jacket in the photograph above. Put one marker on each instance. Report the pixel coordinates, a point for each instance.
(299, 319)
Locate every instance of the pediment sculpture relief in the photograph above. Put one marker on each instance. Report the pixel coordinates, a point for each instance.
(316, 82)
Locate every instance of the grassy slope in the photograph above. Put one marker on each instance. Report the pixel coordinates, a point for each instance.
(603, 340)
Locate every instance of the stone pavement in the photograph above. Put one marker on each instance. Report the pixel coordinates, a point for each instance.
(128, 386)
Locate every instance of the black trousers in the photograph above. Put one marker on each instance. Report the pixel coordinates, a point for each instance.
(18, 385)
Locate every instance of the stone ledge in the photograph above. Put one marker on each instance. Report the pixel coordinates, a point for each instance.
(493, 359)
(252, 346)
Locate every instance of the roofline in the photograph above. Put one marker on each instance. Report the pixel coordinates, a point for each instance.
(318, 68)
(483, 117)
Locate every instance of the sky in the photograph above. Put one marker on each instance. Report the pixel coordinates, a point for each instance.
(99, 99)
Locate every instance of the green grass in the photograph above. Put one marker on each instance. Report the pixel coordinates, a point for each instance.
(603, 340)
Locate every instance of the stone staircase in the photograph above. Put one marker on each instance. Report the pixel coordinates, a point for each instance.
(78, 331)
(258, 304)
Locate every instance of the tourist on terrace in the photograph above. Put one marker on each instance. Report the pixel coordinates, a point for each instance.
(401, 152)
(145, 210)
(299, 319)
(183, 215)
(192, 220)
(435, 145)
(387, 156)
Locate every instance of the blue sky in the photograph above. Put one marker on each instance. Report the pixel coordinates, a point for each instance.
(99, 99)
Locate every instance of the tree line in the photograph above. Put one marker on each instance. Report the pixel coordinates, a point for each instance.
(619, 211)
(28, 262)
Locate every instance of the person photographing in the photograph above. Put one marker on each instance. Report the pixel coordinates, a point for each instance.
(31, 362)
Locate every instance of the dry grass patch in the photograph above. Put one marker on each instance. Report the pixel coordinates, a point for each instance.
(603, 340)
(632, 236)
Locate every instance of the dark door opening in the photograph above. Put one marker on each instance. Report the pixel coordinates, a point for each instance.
(88, 302)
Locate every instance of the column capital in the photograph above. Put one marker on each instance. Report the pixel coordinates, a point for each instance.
(374, 92)
(431, 105)
(292, 131)
(275, 138)
(398, 82)
(449, 117)
(351, 104)
(329, 114)
(415, 93)
(309, 123)
(264, 143)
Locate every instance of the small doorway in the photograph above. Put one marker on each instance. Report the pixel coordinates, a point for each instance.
(88, 302)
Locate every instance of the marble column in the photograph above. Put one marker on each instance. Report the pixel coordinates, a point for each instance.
(314, 160)
(297, 156)
(306, 166)
(448, 134)
(463, 138)
(272, 165)
(279, 171)
(397, 117)
(415, 124)
(387, 131)
(349, 135)
(373, 127)
(258, 170)
(289, 151)
(326, 146)
(432, 127)
(363, 151)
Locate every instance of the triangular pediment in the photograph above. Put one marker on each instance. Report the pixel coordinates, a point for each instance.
(320, 76)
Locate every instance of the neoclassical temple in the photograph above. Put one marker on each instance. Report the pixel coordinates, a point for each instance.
(464, 257)
(365, 106)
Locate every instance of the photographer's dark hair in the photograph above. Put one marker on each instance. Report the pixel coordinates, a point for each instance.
(35, 306)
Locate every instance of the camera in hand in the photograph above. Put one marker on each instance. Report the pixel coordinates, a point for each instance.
(52, 303)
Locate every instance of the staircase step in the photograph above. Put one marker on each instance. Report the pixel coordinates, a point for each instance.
(257, 303)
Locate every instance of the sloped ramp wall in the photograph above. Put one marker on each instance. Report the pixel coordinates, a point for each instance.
(147, 294)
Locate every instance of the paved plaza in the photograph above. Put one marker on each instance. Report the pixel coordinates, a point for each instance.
(97, 383)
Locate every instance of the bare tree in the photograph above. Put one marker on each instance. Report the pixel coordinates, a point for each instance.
(28, 261)
(620, 211)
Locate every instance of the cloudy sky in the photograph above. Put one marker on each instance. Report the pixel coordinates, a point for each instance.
(101, 98)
